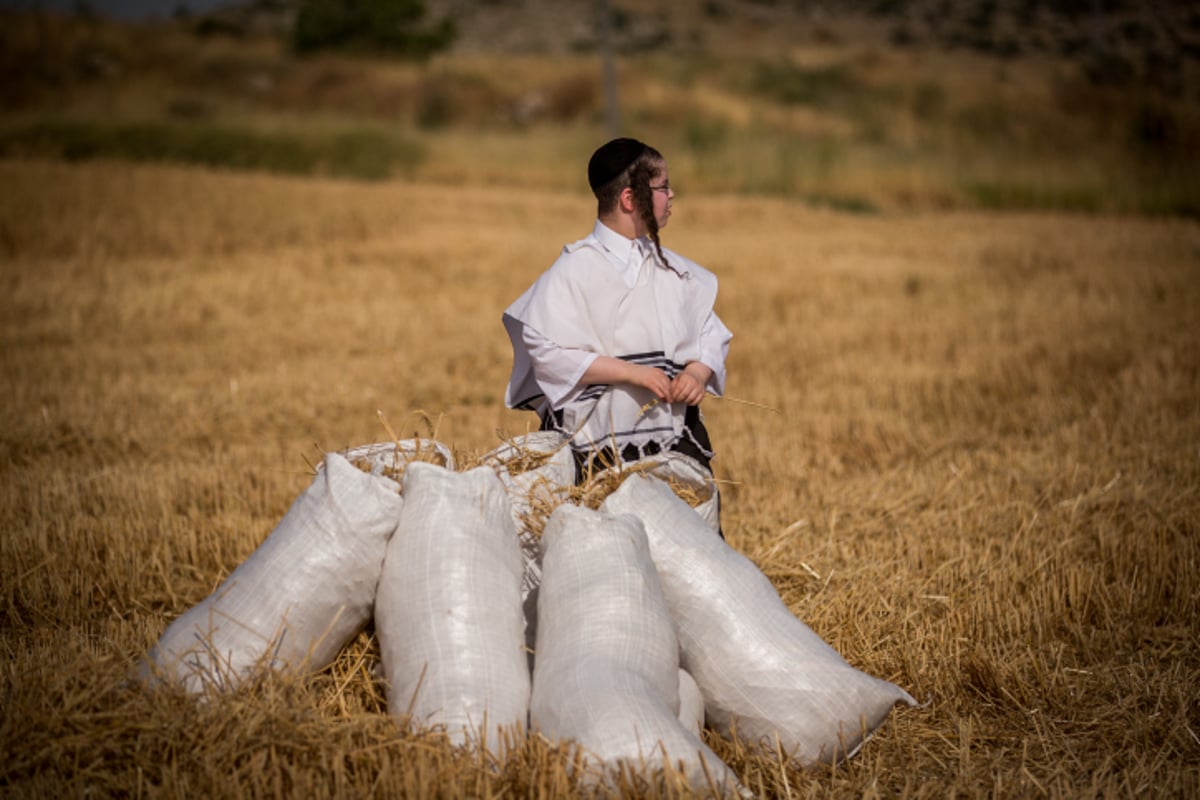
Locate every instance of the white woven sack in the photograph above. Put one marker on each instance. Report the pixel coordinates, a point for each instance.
(448, 612)
(691, 703)
(607, 669)
(686, 471)
(300, 597)
(544, 485)
(762, 671)
(391, 457)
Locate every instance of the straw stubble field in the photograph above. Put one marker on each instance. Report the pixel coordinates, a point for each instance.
(980, 480)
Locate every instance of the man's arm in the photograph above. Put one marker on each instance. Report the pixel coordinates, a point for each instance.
(559, 371)
(562, 372)
(606, 369)
(714, 349)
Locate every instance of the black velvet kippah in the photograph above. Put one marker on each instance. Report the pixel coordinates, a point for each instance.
(612, 159)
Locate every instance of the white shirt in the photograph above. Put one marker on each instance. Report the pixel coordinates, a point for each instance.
(590, 303)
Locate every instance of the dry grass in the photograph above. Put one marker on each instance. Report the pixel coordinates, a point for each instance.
(982, 484)
(600, 480)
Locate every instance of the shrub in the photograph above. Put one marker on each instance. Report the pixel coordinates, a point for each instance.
(392, 27)
(819, 86)
(365, 154)
(1011, 196)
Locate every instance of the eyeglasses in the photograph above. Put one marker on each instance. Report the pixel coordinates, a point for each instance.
(665, 188)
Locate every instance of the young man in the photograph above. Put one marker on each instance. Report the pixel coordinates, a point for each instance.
(617, 343)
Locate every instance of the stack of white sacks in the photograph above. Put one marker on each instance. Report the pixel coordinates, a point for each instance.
(623, 630)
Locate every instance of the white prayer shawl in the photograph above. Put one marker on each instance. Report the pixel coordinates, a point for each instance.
(583, 303)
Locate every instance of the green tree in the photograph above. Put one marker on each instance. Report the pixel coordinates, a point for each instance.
(393, 27)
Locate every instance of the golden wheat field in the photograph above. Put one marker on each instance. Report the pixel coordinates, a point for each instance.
(978, 475)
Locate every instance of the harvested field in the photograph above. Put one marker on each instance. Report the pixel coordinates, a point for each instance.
(982, 481)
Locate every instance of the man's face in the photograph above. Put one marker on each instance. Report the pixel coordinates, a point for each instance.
(661, 196)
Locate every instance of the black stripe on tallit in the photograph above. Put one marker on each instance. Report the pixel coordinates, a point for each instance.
(656, 358)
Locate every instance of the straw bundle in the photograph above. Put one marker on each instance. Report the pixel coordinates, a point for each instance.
(390, 459)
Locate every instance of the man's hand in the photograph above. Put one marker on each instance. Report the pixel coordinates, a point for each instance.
(606, 369)
(653, 379)
(688, 386)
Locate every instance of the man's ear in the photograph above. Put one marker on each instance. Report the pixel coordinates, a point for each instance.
(625, 200)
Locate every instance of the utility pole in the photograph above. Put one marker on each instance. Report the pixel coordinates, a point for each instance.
(609, 67)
